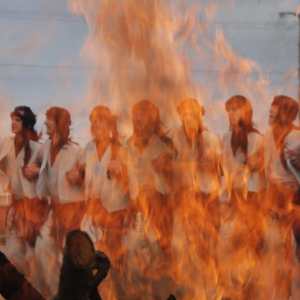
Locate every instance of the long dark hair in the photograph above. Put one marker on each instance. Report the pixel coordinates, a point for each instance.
(288, 109)
(239, 136)
(29, 133)
(62, 119)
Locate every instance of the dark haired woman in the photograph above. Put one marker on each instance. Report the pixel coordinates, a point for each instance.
(243, 219)
(60, 154)
(243, 152)
(282, 138)
(17, 153)
(147, 150)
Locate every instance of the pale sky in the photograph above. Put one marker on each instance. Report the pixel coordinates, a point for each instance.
(38, 36)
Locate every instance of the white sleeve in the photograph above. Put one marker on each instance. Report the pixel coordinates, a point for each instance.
(292, 143)
(256, 144)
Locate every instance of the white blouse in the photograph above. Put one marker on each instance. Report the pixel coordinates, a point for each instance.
(52, 180)
(236, 172)
(141, 171)
(200, 175)
(97, 183)
(14, 178)
(275, 170)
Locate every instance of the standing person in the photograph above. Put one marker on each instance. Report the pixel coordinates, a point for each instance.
(17, 153)
(243, 152)
(242, 163)
(105, 180)
(198, 174)
(199, 156)
(150, 241)
(60, 154)
(282, 138)
(147, 149)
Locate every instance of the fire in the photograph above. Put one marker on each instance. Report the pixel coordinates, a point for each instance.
(208, 243)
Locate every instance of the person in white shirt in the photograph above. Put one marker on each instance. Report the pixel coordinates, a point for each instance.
(282, 139)
(17, 153)
(243, 153)
(147, 149)
(198, 161)
(148, 186)
(197, 169)
(104, 175)
(60, 154)
(243, 186)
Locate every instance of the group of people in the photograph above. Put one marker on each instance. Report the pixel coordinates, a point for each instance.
(110, 187)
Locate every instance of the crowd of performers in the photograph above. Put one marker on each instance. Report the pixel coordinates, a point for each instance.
(167, 184)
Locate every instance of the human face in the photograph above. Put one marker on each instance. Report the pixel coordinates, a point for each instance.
(235, 115)
(191, 121)
(144, 123)
(100, 129)
(16, 125)
(273, 114)
(50, 126)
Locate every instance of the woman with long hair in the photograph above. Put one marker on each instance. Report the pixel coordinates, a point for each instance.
(148, 149)
(243, 219)
(282, 138)
(105, 181)
(60, 154)
(243, 152)
(198, 161)
(198, 151)
(197, 168)
(27, 212)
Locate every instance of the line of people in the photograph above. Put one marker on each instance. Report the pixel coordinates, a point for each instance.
(108, 187)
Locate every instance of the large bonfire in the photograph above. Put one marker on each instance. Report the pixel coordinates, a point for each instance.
(178, 245)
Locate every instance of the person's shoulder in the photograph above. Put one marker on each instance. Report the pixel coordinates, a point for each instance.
(255, 137)
(6, 143)
(89, 146)
(72, 147)
(295, 132)
(226, 135)
(7, 140)
(293, 137)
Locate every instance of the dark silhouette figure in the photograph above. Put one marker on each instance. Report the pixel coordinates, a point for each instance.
(13, 285)
(83, 268)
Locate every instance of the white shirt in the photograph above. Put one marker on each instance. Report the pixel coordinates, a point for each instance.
(97, 183)
(237, 174)
(141, 171)
(52, 178)
(275, 170)
(195, 173)
(16, 182)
